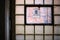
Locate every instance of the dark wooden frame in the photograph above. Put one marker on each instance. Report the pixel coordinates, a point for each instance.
(12, 20)
(52, 22)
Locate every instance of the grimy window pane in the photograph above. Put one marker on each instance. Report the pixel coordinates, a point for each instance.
(38, 29)
(19, 37)
(57, 19)
(43, 15)
(29, 37)
(29, 29)
(48, 37)
(19, 20)
(57, 2)
(19, 10)
(56, 37)
(19, 1)
(57, 30)
(56, 10)
(48, 29)
(29, 1)
(19, 29)
(38, 1)
(38, 37)
(47, 1)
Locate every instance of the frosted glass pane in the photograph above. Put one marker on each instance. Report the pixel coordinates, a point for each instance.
(48, 30)
(19, 29)
(57, 30)
(29, 1)
(56, 10)
(19, 37)
(56, 37)
(29, 29)
(57, 19)
(38, 1)
(19, 9)
(29, 37)
(38, 37)
(47, 1)
(39, 29)
(19, 1)
(56, 1)
(19, 19)
(48, 37)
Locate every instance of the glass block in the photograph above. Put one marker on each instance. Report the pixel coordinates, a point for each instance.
(19, 19)
(56, 1)
(48, 37)
(29, 1)
(29, 37)
(56, 37)
(19, 10)
(19, 1)
(47, 1)
(57, 30)
(29, 29)
(38, 1)
(48, 29)
(57, 19)
(19, 29)
(56, 10)
(38, 29)
(19, 37)
(38, 37)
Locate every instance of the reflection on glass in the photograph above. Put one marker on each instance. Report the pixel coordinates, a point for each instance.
(56, 10)
(38, 1)
(20, 29)
(29, 1)
(38, 37)
(48, 29)
(48, 37)
(19, 1)
(19, 20)
(38, 15)
(47, 1)
(29, 37)
(56, 37)
(38, 29)
(19, 10)
(57, 30)
(29, 29)
(57, 19)
(57, 2)
(19, 37)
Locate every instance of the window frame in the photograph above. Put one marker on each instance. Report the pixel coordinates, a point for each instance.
(52, 18)
(12, 17)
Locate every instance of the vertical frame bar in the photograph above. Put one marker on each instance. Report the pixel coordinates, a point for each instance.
(24, 21)
(34, 32)
(7, 20)
(2, 20)
(43, 32)
(12, 21)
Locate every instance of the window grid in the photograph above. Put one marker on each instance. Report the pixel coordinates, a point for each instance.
(35, 25)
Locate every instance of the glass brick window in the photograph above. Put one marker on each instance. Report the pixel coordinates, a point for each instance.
(37, 32)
